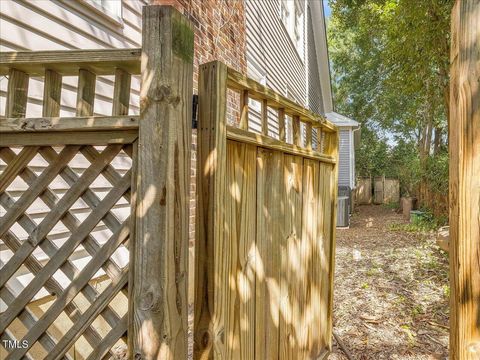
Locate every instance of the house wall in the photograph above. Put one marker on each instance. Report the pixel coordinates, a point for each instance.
(345, 160)
(272, 57)
(315, 98)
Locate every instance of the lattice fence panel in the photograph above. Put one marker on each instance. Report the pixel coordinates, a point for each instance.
(64, 230)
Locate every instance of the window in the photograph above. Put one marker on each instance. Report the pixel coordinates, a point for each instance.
(291, 13)
(284, 13)
(109, 9)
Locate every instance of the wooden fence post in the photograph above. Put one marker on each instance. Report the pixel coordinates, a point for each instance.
(464, 143)
(212, 142)
(334, 151)
(158, 322)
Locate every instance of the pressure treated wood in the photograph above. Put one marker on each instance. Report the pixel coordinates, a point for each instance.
(52, 201)
(237, 134)
(77, 139)
(78, 123)
(290, 320)
(281, 125)
(240, 210)
(258, 91)
(308, 136)
(269, 231)
(68, 62)
(464, 146)
(297, 138)
(309, 338)
(325, 230)
(121, 92)
(264, 118)
(211, 167)
(17, 91)
(85, 92)
(99, 137)
(265, 235)
(159, 320)
(244, 110)
(52, 90)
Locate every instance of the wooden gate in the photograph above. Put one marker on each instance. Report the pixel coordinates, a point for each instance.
(78, 194)
(364, 191)
(265, 227)
(378, 187)
(391, 189)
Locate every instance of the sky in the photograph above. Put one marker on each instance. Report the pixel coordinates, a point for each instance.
(326, 8)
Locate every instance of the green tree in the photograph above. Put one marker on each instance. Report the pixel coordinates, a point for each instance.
(390, 70)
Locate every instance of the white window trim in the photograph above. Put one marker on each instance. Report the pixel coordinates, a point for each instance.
(291, 33)
(96, 12)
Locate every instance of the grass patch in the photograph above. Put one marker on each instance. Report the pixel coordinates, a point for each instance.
(423, 224)
(392, 205)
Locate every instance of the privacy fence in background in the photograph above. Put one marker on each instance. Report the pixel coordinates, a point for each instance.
(89, 202)
(364, 191)
(264, 250)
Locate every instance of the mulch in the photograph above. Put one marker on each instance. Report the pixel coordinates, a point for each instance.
(391, 290)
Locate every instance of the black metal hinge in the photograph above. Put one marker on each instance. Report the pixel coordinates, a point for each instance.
(194, 111)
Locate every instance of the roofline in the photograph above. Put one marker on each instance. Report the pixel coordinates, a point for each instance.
(341, 120)
(321, 50)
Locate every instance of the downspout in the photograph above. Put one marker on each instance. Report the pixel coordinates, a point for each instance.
(357, 128)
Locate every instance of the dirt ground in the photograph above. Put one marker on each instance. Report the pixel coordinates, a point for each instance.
(391, 290)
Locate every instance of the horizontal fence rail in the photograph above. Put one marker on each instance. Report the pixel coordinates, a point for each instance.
(264, 250)
(69, 62)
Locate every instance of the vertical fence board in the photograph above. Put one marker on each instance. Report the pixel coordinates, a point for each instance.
(264, 118)
(17, 92)
(324, 229)
(297, 138)
(240, 214)
(52, 91)
(121, 92)
(160, 311)
(244, 110)
(310, 259)
(332, 217)
(85, 92)
(281, 125)
(308, 136)
(290, 321)
(211, 162)
(267, 263)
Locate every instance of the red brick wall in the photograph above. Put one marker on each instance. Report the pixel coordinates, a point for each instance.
(219, 31)
(219, 35)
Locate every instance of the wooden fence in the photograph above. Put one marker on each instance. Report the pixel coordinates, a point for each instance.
(364, 191)
(94, 212)
(265, 227)
(78, 194)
